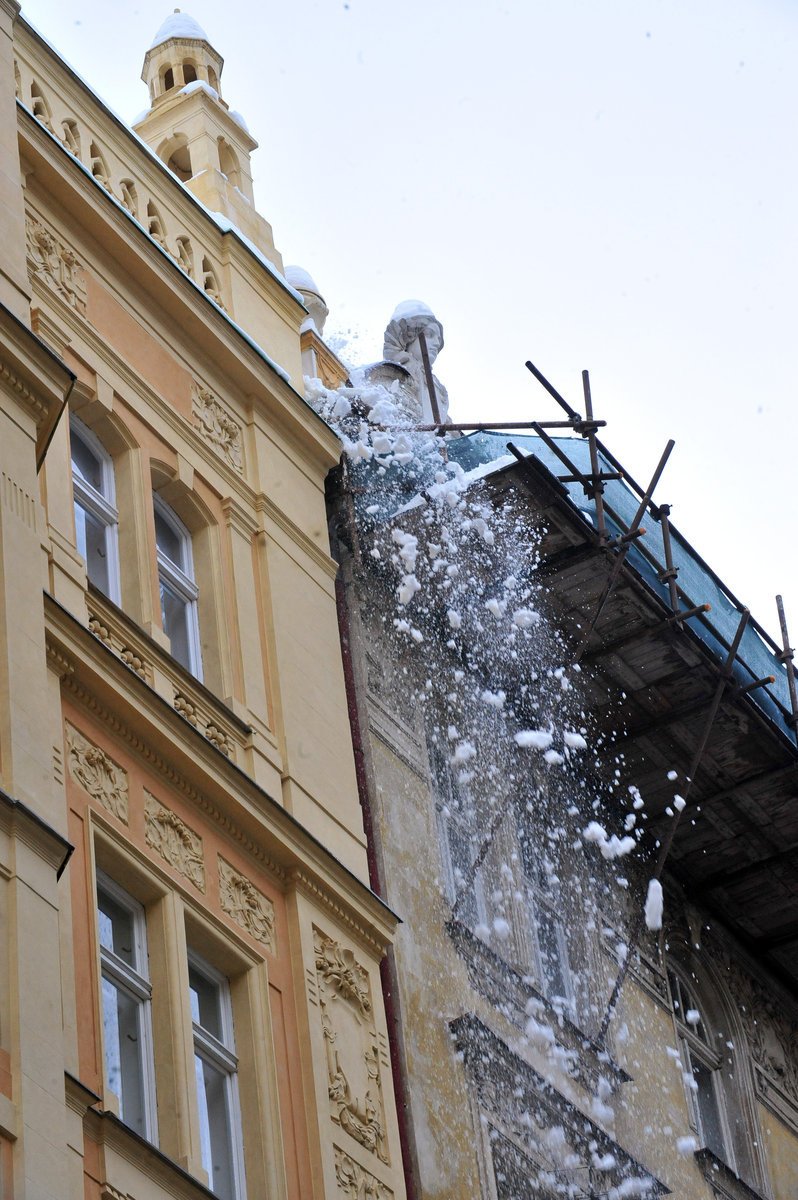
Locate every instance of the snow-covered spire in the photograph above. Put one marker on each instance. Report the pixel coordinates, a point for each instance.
(179, 25)
(180, 55)
(190, 126)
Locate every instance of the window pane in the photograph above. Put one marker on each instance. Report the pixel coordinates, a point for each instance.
(551, 953)
(206, 1007)
(215, 1132)
(123, 1054)
(92, 539)
(461, 859)
(708, 1112)
(116, 928)
(85, 462)
(169, 541)
(176, 614)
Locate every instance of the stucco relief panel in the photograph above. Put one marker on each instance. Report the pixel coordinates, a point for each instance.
(352, 1046)
(170, 837)
(50, 260)
(97, 773)
(217, 427)
(246, 905)
(355, 1182)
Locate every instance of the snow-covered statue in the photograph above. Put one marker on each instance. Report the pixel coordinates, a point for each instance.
(403, 346)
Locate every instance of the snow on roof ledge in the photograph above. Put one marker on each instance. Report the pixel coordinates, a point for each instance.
(179, 25)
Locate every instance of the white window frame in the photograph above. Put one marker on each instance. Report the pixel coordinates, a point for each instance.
(99, 504)
(181, 581)
(222, 1056)
(135, 983)
(536, 899)
(694, 1047)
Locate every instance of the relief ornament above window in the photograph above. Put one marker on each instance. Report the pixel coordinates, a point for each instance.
(97, 774)
(178, 845)
(56, 264)
(247, 906)
(217, 427)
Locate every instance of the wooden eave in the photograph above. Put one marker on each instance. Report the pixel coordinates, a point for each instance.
(649, 685)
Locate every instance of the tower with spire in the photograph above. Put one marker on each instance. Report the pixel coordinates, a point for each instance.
(193, 130)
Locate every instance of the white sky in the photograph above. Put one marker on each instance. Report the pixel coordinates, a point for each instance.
(609, 184)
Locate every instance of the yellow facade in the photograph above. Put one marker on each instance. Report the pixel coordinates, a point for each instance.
(179, 812)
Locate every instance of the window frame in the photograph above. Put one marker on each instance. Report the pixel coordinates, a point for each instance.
(101, 505)
(535, 898)
(694, 1047)
(181, 582)
(138, 987)
(220, 1054)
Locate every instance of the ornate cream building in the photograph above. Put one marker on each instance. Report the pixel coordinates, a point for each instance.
(190, 998)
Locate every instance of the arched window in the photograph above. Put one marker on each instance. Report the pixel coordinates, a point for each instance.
(213, 79)
(129, 196)
(71, 138)
(178, 589)
(168, 79)
(210, 282)
(189, 72)
(179, 160)
(185, 255)
(39, 106)
(96, 518)
(155, 224)
(228, 163)
(99, 168)
(702, 1064)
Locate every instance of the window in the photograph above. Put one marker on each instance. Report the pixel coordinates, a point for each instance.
(95, 513)
(702, 1071)
(459, 846)
(216, 1068)
(178, 590)
(126, 996)
(548, 943)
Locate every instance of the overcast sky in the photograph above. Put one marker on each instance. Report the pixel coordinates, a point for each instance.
(609, 184)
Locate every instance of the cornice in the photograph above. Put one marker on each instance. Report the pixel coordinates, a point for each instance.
(17, 818)
(32, 373)
(131, 147)
(227, 345)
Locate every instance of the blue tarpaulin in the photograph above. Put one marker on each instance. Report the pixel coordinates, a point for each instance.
(758, 655)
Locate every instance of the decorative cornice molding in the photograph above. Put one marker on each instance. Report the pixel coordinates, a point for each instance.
(304, 883)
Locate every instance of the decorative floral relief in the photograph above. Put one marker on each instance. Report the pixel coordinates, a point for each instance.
(248, 907)
(353, 1071)
(99, 775)
(339, 967)
(178, 845)
(56, 264)
(217, 427)
(355, 1182)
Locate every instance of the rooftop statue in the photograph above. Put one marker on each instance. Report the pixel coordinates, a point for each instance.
(403, 346)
